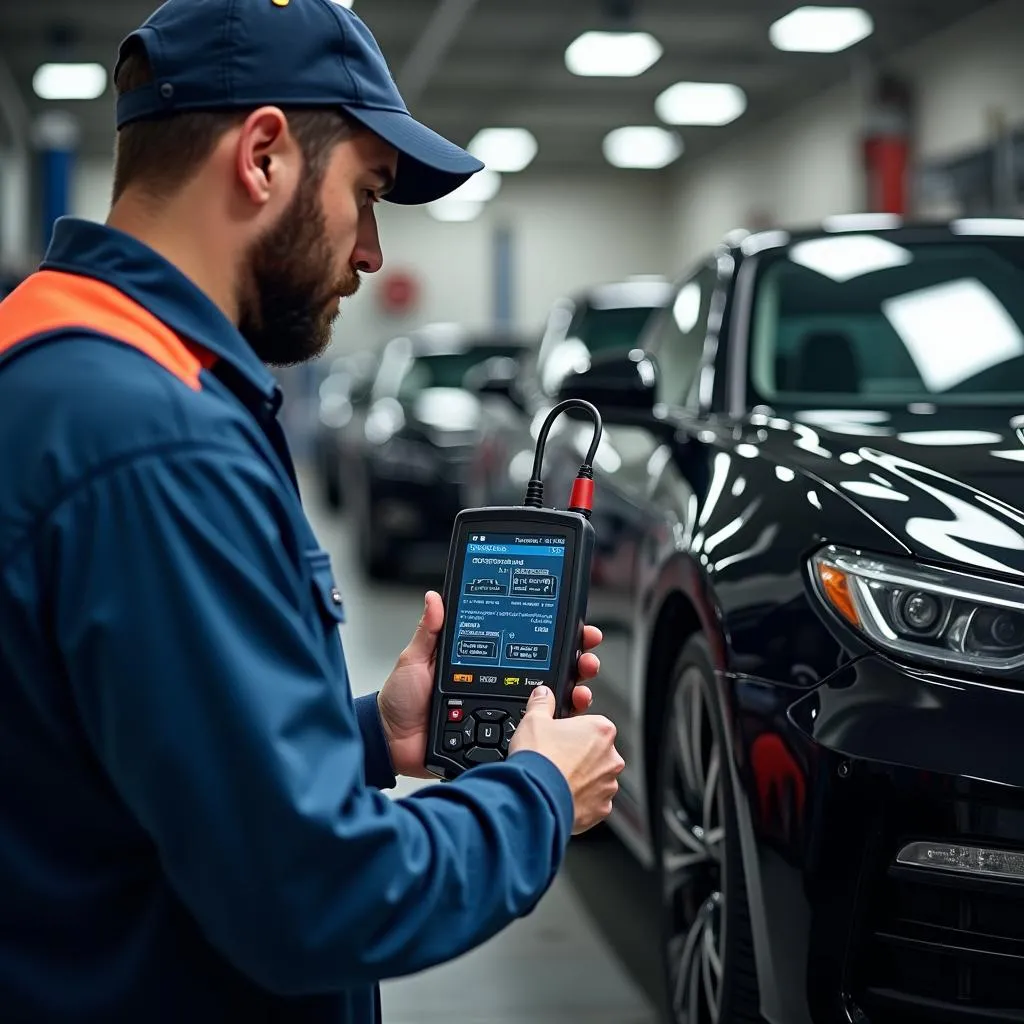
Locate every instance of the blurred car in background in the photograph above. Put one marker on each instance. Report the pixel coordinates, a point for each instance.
(608, 317)
(809, 510)
(405, 459)
(343, 394)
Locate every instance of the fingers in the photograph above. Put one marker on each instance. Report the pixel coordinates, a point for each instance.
(582, 698)
(588, 666)
(424, 640)
(541, 702)
(592, 637)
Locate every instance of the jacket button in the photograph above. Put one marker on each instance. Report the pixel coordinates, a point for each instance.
(336, 595)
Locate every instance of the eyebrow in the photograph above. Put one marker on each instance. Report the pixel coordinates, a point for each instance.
(386, 177)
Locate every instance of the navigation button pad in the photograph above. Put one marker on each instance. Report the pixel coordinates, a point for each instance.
(478, 731)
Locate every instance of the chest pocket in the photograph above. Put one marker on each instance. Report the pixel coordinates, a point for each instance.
(326, 596)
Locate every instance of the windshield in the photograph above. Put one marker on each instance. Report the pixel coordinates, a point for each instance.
(448, 370)
(858, 320)
(591, 330)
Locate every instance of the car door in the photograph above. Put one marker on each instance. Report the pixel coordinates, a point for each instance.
(639, 492)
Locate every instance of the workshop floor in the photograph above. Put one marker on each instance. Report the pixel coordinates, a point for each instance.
(569, 961)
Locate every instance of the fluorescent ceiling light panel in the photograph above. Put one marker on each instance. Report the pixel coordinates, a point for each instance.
(641, 147)
(844, 257)
(455, 211)
(954, 331)
(821, 29)
(612, 54)
(507, 150)
(702, 103)
(69, 81)
(481, 188)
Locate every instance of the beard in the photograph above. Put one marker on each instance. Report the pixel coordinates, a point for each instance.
(290, 304)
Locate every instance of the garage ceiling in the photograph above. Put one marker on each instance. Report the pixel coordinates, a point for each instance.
(469, 64)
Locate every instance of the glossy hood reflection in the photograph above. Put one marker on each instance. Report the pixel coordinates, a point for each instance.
(949, 486)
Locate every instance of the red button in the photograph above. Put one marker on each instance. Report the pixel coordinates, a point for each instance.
(455, 714)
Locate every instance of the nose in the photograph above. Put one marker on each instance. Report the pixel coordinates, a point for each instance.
(367, 257)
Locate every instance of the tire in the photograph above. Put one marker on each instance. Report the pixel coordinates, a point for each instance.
(707, 950)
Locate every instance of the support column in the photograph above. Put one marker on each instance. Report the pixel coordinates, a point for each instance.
(15, 177)
(56, 137)
(15, 255)
(504, 280)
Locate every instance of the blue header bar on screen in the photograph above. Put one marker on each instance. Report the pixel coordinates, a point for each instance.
(545, 550)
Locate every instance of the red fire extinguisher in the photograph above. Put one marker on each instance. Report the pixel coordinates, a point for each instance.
(886, 148)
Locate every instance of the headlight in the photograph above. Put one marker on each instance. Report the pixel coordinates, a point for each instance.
(926, 614)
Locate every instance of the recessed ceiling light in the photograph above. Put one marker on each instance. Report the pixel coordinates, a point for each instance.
(709, 103)
(821, 29)
(69, 81)
(481, 188)
(455, 211)
(612, 54)
(506, 150)
(641, 147)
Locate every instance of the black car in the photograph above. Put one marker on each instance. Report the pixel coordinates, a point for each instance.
(810, 577)
(405, 455)
(604, 318)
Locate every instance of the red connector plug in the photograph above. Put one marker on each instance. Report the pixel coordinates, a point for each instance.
(581, 499)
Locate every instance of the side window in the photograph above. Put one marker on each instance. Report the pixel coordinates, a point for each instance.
(677, 341)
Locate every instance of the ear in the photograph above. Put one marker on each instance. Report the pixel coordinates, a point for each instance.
(267, 156)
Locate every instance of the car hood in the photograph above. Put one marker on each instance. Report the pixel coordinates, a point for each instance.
(947, 484)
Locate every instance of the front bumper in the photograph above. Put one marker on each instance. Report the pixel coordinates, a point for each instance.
(838, 783)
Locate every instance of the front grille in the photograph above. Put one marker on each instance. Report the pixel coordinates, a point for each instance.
(937, 947)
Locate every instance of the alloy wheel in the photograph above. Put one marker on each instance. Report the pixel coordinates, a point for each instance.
(693, 854)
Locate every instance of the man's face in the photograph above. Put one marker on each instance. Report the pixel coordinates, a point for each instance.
(311, 258)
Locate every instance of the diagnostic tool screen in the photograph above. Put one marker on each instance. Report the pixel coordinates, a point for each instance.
(504, 633)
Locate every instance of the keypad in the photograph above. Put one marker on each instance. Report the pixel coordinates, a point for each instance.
(479, 731)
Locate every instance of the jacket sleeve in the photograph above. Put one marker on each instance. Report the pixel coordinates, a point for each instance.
(379, 770)
(207, 696)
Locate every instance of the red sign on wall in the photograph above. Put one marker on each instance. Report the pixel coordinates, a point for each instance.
(398, 292)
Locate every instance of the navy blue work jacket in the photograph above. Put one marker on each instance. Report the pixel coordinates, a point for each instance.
(192, 822)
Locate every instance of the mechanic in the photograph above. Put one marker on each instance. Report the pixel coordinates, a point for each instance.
(192, 824)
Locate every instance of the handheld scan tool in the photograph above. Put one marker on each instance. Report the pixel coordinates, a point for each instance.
(515, 598)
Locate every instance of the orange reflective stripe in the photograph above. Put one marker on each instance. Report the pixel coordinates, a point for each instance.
(51, 300)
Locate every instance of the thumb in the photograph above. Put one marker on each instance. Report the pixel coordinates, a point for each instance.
(541, 702)
(424, 640)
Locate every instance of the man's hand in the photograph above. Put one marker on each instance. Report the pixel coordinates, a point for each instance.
(404, 700)
(582, 749)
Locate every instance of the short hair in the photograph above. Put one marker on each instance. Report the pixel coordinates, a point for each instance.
(159, 155)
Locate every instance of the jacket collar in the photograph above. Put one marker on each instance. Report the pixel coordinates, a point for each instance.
(98, 251)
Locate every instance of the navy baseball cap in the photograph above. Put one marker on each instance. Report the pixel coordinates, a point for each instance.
(237, 54)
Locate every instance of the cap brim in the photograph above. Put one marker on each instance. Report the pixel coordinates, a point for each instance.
(429, 166)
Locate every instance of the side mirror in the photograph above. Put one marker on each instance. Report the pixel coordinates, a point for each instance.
(620, 384)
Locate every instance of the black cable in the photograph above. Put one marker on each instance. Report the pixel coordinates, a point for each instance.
(535, 487)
